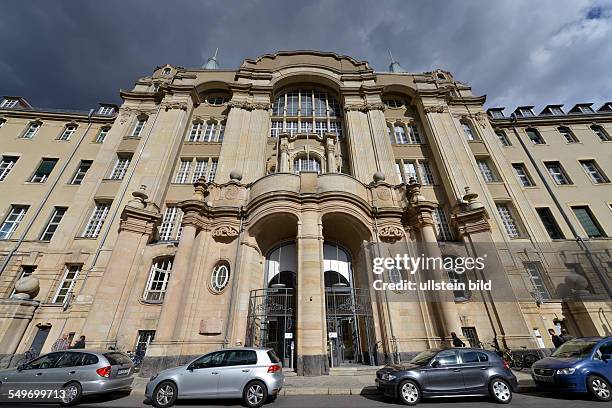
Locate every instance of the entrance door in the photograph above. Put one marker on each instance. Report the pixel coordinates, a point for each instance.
(343, 340)
(39, 339)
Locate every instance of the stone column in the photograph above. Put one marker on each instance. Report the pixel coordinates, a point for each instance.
(15, 317)
(284, 154)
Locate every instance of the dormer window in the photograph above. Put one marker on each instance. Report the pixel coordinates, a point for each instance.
(497, 114)
(556, 110)
(106, 110)
(393, 103)
(167, 71)
(525, 112)
(9, 103)
(441, 76)
(585, 109)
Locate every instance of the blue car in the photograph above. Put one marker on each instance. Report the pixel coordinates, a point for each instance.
(581, 365)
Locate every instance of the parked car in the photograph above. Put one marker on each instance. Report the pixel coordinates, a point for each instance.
(579, 365)
(76, 372)
(448, 372)
(253, 374)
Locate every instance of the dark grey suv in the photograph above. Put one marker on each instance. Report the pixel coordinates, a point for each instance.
(448, 372)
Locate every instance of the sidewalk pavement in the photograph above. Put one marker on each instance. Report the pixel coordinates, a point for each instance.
(339, 385)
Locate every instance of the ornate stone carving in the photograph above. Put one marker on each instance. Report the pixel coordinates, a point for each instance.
(249, 105)
(364, 107)
(174, 105)
(231, 192)
(225, 231)
(126, 112)
(391, 233)
(435, 109)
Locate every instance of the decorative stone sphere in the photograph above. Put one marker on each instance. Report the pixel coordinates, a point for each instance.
(235, 175)
(576, 282)
(26, 288)
(379, 176)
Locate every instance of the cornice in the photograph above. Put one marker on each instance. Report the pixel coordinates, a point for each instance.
(589, 119)
(137, 95)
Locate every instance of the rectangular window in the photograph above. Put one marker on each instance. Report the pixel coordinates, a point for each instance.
(79, 175)
(54, 222)
(306, 103)
(588, 222)
(486, 171)
(292, 127)
(550, 224)
(400, 134)
(158, 280)
(145, 337)
(67, 284)
(305, 126)
(556, 110)
(586, 109)
(26, 270)
(101, 136)
(557, 173)
(200, 169)
(601, 133)
(32, 130)
(472, 337)
(120, 168)
(503, 138)
(508, 220)
(182, 174)
(534, 136)
(415, 136)
(212, 172)
(496, 114)
(221, 133)
(336, 128)
(210, 131)
(521, 173)
(12, 220)
(468, 131)
(168, 230)
(592, 169)
(276, 128)
(567, 135)
(106, 110)
(195, 134)
(67, 133)
(441, 222)
(410, 171)
(44, 170)
(320, 128)
(427, 178)
(138, 128)
(292, 103)
(537, 281)
(7, 164)
(525, 112)
(96, 220)
(8, 103)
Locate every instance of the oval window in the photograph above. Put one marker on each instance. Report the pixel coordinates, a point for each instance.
(219, 278)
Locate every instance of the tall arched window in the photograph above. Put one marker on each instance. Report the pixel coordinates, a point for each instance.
(306, 111)
(158, 280)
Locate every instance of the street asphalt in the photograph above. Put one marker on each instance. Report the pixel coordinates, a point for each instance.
(523, 400)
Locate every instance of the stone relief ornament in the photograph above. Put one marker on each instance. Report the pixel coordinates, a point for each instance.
(435, 109)
(364, 107)
(175, 105)
(225, 231)
(231, 192)
(249, 105)
(391, 233)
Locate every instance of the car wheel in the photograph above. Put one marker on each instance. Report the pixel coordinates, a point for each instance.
(500, 391)
(71, 394)
(165, 394)
(255, 394)
(599, 388)
(409, 392)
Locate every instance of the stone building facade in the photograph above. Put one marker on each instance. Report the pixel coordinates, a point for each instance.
(219, 207)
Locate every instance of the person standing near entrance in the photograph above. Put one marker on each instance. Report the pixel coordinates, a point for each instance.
(60, 344)
(556, 339)
(565, 336)
(457, 342)
(80, 343)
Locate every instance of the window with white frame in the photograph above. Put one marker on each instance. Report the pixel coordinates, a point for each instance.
(485, 169)
(400, 134)
(585, 109)
(12, 221)
(31, 130)
(503, 138)
(601, 133)
(276, 127)
(26, 270)
(158, 280)
(67, 132)
(221, 132)
(195, 134)
(306, 164)
(96, 220)
(53, 224)
(508, 220)
(557, 173)
(427, 176)
(594, 172)
(567, 134)
(43, 171)
(534, 136)
(306, 110)
(79, 175)
(192, 169)
(443, 231)
(219, 277)
(120, 168)
(138, 127)
(106, 110)
(101, 136)
(420, 170)
(210, 131)
(9, 103)
(468, 130)
(537, 281)
(393, 103)
(556, 110)
(199, 169)
(67, 283)
(210, 177)
(6, 165)
(183, 171)
(521, 173)
(497, 114)
(410, 171)
(526, 112)
(170, 225)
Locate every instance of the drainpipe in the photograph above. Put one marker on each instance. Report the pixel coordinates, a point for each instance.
(47, 195)
(126, 184)
(581, 242)
(230, 305)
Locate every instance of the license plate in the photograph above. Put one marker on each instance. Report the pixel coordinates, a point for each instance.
(123, 371)
(543, 378)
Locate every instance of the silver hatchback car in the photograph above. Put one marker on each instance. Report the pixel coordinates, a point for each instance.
(253, 374)
(73, 373)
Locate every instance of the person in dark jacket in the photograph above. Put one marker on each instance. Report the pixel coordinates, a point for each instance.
(80, 343)
(556, 339)
(565, 336)
(456, 340)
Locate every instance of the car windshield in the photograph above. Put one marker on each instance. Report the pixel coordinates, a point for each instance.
(424, 357)
(574, 349)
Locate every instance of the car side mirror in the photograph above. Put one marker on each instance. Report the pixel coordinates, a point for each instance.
(190, 367)
(435, 364)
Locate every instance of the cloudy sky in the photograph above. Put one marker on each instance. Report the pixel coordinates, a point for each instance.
(73, 54)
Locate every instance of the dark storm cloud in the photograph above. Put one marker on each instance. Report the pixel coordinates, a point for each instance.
(73, 54)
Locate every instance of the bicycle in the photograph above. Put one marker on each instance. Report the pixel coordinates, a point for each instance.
(516, 361)
(28, 356)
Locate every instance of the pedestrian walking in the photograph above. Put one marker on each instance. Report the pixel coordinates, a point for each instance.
(456, 340)
(556, 339)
